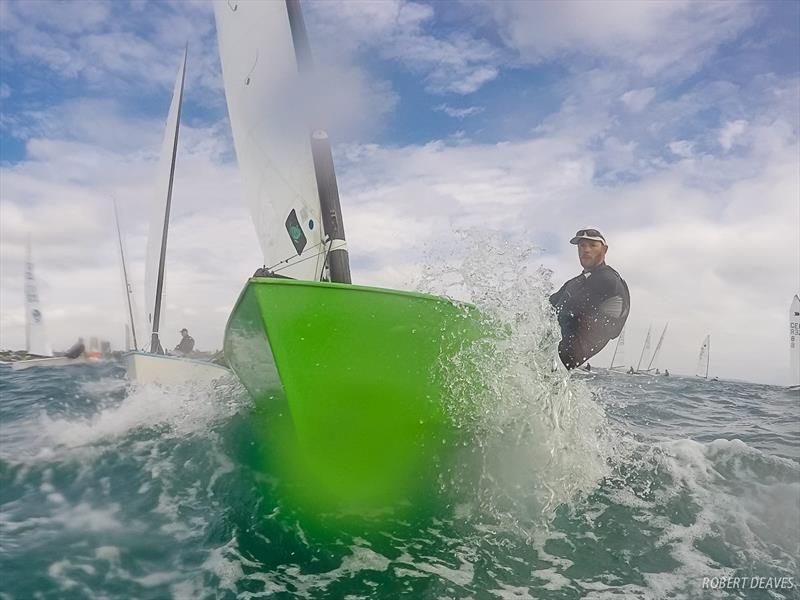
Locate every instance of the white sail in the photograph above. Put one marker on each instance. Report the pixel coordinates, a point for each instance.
(654, 359)
(36, 341)
(645, 348)
(704, 358)
(267, 105)
(618, 358)
(159, 220)
(131, 330)
(794, 341)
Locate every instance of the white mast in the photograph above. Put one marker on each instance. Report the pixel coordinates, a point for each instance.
(159, 222)
(794, 341)
(645, 348)
(36, 341)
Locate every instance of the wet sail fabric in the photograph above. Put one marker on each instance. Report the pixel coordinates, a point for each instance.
(159, 219)
(794, 341)
(268, 107)
(36, 341)
(618, 358)
(703, 358)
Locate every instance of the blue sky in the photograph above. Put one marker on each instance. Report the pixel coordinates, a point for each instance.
(658, 121)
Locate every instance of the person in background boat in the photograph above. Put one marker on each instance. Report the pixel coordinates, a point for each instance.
(592, 308)
(666, 372)
(77, 349)
(631, 371)
(658, 372)
(186, 345)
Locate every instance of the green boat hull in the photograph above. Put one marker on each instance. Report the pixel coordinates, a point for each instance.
(350, 385)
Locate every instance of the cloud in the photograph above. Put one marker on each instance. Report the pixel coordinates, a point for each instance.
(459, 113)
(731, 131)
(637, 100)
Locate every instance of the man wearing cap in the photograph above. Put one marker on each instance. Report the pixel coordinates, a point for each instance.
(186, 345)
(592, 308)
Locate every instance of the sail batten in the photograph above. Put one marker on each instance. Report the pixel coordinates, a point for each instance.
(159, 223)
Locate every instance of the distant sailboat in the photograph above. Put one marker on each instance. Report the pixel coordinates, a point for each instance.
(619, 353)
(131, 342)
(654, 359)
(155, 366)
(645, 348)
(794, 343)
(36, 342)
(704, 358)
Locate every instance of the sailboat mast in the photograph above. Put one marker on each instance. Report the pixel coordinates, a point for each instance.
(327, 188)
(644, 348)
(128, 290)
(155, 344)
(616, 348)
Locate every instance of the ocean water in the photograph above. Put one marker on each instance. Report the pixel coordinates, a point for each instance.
(113, 492)
(569, 486)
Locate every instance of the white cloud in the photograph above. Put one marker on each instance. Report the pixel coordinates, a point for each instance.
(637, 100)
(683, 148)
(655, 37)
(730, 131)
(459, 113)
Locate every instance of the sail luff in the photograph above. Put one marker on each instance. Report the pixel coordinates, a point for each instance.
(644, 348)
(322, 155)
(160, 226)
(708, 354)
(126, 281)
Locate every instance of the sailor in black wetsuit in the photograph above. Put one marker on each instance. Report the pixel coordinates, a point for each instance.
(592, 308)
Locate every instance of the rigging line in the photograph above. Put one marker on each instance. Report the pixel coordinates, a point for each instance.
(297, 262)
(286, 260)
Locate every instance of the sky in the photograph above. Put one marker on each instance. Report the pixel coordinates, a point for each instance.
(673, 126)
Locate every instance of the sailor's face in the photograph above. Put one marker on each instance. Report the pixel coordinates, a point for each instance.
(591, 253)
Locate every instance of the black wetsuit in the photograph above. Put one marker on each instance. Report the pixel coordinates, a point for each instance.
(186, 345)
(592, 309)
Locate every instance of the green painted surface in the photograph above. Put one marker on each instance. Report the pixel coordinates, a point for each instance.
(348, 384)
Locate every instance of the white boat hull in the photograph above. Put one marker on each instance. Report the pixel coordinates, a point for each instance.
(145, 367)
(53, 361)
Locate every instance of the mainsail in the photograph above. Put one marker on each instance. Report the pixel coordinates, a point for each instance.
(794, 341)
(619, 353)
(704, 358)
(35, 334)
(130, 326)
(652, 364)
(284, 158)
(645, 348)
(159, 220)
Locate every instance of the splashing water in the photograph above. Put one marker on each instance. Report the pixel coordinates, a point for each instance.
(541, 438)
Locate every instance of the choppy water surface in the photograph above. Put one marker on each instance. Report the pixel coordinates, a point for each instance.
(610, 486)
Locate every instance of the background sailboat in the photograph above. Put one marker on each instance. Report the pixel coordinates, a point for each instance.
(36, 341)
(704, 358)
(131, 340)
(155, 366)
(794, 342)
(618, 358)
(346, 375)
(645, 348)
(653, 364)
